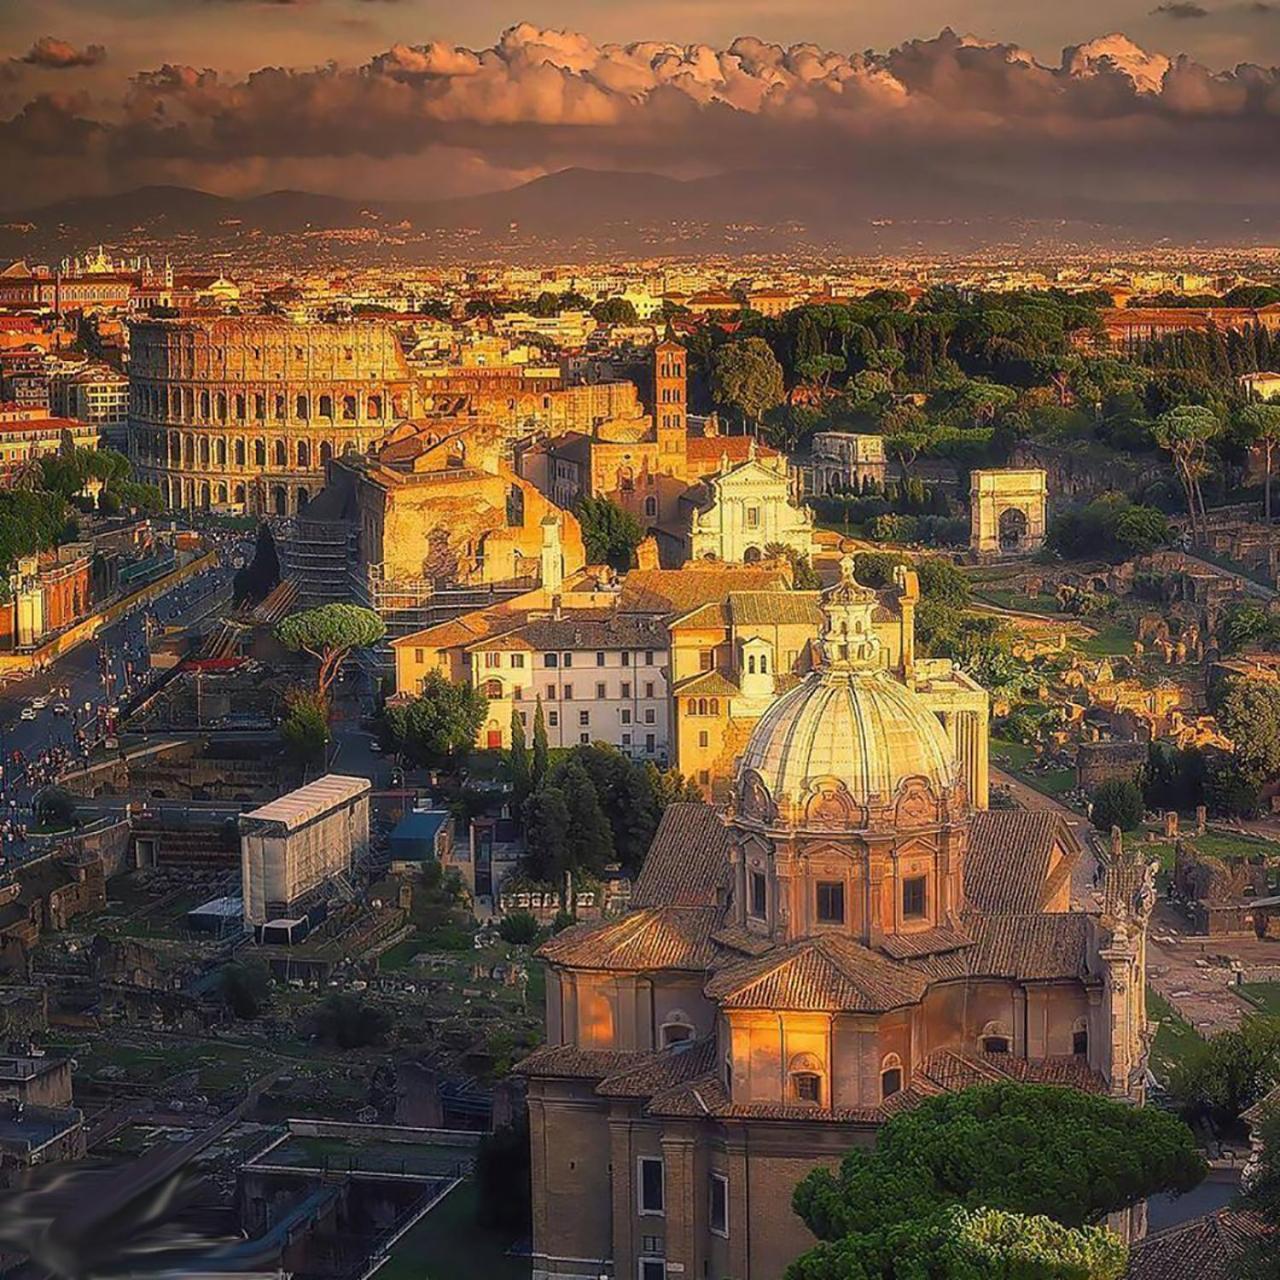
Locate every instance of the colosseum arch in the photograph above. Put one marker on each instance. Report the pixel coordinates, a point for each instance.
(239, 495)
(220, 452)
(281, 454)
(239, 453)
(326, 452)
(259, 453)
(304, 455)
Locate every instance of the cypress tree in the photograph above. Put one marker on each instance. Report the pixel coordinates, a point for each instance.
(521, 778)
(541, 753)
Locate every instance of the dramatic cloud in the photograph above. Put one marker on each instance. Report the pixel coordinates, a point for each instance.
(58, 55)
(1110, 120)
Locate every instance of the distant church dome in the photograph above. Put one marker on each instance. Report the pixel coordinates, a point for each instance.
(845, 739)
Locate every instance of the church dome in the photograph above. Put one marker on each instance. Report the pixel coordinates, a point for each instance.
(848, 736)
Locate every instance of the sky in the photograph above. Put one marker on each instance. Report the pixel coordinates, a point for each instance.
(1162, 100)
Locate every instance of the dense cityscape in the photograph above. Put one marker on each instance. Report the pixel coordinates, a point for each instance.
(653, 703)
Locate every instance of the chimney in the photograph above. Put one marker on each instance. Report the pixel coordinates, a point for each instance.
(556, 610)
(647, 553)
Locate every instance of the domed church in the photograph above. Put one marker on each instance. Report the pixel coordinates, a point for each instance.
(849, 937)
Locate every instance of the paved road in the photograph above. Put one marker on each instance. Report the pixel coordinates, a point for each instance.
(86, 681)
(1083, 893)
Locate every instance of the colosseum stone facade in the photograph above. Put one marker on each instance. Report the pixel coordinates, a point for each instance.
(243, 413)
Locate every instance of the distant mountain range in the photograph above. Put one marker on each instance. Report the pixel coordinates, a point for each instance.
(625, 212)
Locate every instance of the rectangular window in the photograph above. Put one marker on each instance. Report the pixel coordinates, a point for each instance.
(553, 718)
(626, 688)
(599, 688)
(650, 743)
(524, 718)
(517, 660)
(650, 716)
(568, 659)
(648, 657)
(419, 656)
(718, 1210)
(704, 777)
(599, 658)
(584, 739)
(626, 739)
(706, 659)
(626, 657)
(831, 901)
(759, 895)
(649, 1185)
(551, 693)
(584, 717)
(648, 688)
(653, 1269)
(704, 739)
(517, 692)
(551, 660)
(568, 691)
(753, 517)
(492, 659)
(915, 901)
(626, 715)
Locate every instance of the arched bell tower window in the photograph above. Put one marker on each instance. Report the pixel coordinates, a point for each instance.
(890, 1076)
(995, 1038)
(806, 1079)
(676, 1028)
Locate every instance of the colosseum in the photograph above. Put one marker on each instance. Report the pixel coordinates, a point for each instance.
(243, 413)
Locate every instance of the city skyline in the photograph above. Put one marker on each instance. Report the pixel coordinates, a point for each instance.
(387, 100)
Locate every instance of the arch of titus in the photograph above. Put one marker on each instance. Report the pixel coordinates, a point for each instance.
(1007, 512)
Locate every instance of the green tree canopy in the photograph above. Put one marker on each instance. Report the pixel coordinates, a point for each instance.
(615, 311)
(1033, 1151)
(747, 377)
(1117, 803)
(330, 634)
(609, 533)
(443, 721)
(1248, 713)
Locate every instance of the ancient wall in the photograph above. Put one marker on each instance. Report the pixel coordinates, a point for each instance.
(1099, 762)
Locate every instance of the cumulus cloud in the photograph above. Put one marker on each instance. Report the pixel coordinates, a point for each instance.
(1109, 118)
(59, 55)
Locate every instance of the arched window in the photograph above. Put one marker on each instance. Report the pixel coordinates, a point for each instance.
(301, 498)
(764, 664)
(204, 404)
(304, 454)
(373, 407)
(279, 407)
(220, 452)
(676, 1028)
(259, 453)
(805, 1075)
(890, 1076)
(651, 507)
(715, 706)
(282, 454)
(751, 664)
(348, 408)
(280, 500)
(300, 408)
(259, 406)
(240, 406)
(222, 494)
(239, 453)
(222, 406)
(702, 706)
(326, 452)
(326, 406)
(1080, 1038)
(493, 689)
(239, 495)
(995, 1038)
(204, 451)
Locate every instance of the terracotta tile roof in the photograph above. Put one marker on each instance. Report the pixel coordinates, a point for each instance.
(714, 614)
(568, 1062)
(688, 862)
(738, 939)
(1007, 863)
(657, 1072)
(679, 590)
(589, 629)
(1260, 1109)
(905, 946)
(950, 1070)
(1208, 1248)
(776, 608)
(650, 938)
(1033, 947)
(708, 450)
(827, 973)
(709, 683)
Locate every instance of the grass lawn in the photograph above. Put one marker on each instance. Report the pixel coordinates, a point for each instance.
(1015, 754)
(1175, 1037)
(1224, 845)
(447, 1245)
(1108, 640)
(1264, 996)
(401, 955)
(1004, 599)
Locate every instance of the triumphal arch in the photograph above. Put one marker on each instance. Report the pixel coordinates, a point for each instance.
(1007, 512)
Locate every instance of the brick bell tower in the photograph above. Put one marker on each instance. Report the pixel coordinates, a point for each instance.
(670, 410)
